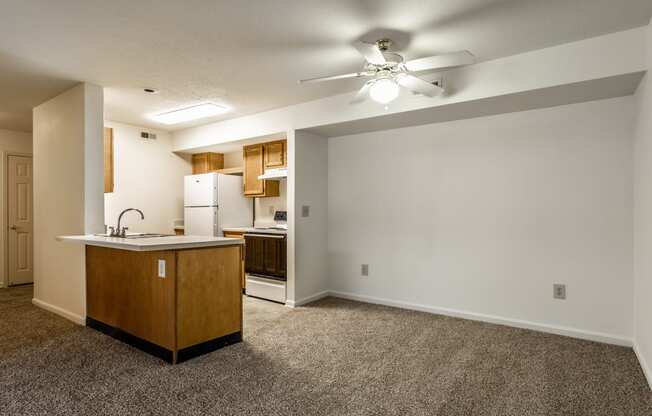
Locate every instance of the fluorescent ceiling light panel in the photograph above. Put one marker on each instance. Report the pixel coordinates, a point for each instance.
(190, 113)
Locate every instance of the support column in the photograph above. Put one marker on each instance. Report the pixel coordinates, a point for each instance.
(68, 195)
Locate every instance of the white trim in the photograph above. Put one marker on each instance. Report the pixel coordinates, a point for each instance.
(641, 359)
(552, 329)
(308, 299)
(78, 319)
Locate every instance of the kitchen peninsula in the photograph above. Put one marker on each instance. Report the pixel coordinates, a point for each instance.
(175, 297)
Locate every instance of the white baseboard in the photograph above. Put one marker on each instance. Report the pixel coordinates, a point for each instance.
(552, 329)
(641, 359)
(308, 299)
(78, 319)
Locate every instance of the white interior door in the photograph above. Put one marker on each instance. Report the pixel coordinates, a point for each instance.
(20, 220)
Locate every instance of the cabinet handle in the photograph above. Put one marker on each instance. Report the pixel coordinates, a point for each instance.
(277, 236)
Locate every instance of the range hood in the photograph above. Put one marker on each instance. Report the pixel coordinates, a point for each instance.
(277, 173)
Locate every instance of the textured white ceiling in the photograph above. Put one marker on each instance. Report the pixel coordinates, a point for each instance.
(249, 54)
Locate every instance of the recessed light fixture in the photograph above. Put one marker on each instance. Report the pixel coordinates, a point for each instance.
(190, 113)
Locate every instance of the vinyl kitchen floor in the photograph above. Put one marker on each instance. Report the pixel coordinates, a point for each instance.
(333, 357)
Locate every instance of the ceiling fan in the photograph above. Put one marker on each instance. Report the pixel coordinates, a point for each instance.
(388, 70)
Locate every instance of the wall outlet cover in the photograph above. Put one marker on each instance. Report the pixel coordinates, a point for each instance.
(364, 270)
(305, 210)
(161, 268)
(559, 291)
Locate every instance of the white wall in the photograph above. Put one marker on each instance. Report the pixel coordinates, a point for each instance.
(310, 185)
(265, 207)
(482, 216)
(233, 159)
(68, 189)
(10, 142)
(147, 176)
(643, 220)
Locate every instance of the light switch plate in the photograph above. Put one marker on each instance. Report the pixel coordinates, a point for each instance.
(161, 268)
(305, 210)
(364, 270)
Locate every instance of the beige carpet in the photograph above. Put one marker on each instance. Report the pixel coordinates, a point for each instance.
(333, 357)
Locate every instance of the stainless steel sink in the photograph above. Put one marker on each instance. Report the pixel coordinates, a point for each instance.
(146, 235)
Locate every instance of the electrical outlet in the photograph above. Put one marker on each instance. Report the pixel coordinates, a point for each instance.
(559, 291)
(305, 210)
(161, 268)
(271, 210)
(364, 270)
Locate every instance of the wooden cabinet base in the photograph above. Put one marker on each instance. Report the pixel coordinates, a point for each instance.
(174, 304)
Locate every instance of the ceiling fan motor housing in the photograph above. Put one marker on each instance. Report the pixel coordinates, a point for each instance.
(384, 44)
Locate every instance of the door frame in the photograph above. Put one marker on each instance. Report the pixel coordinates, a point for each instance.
(5, 211)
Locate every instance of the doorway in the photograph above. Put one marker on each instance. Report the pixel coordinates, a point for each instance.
(20, 220)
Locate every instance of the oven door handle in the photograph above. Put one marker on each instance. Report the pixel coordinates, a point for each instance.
(280, 237)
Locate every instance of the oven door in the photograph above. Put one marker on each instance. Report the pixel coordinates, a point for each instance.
(266, 255)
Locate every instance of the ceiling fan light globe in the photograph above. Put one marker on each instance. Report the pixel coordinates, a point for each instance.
(384, 91)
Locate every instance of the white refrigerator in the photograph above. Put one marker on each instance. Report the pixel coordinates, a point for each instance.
(213, 201)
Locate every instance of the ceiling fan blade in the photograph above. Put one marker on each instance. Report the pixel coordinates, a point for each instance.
(362, 94)
(334, 77)
(418, 85)
(445, 61)
(371, 53)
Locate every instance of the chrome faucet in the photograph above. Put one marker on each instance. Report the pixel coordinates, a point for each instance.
(122, 232)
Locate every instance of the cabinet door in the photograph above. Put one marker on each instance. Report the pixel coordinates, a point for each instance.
(199, 163)
(253, 167)
(282, 261)
(275, 154)
(207, 162)
(108, 160)
(272, 255)
(255, 255)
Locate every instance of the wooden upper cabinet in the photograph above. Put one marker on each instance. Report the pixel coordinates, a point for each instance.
(254, 166)
(108, 160)
(207, 162)
(275, 154)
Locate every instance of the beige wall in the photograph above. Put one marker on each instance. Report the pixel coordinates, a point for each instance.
(148, 176)
(68, 189)
(10, 142)
(643, 220)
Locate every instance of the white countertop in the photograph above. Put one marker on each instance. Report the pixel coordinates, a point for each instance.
(256, 230)
(173, 242)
